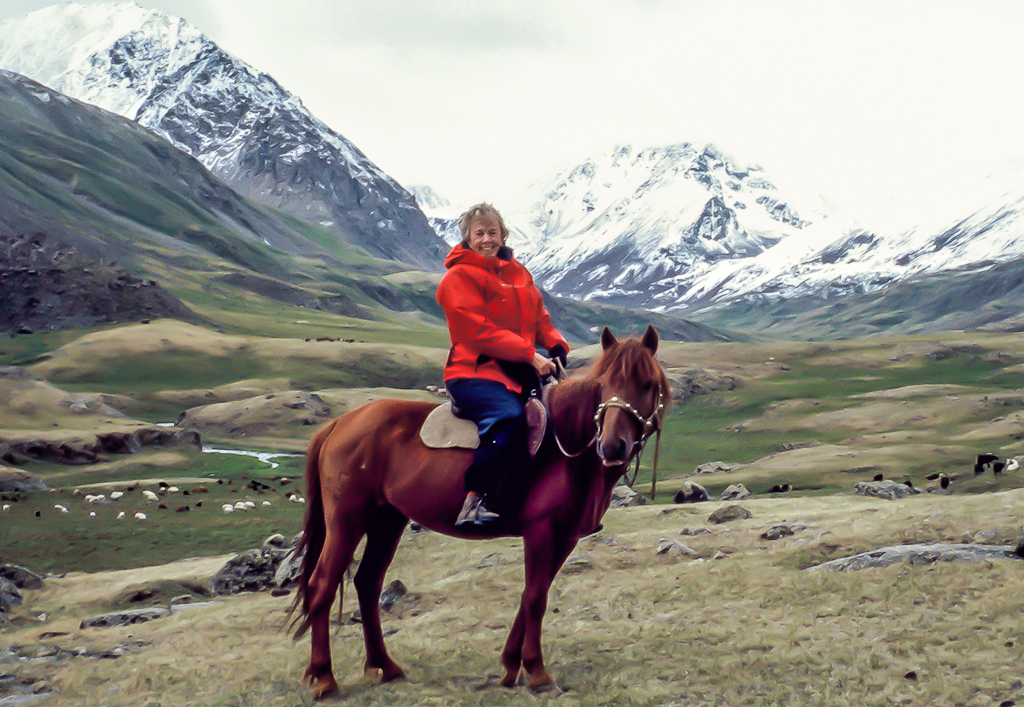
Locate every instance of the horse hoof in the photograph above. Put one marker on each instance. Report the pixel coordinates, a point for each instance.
(511, 679)
(392, 675)
(548, 687)
(326, 691)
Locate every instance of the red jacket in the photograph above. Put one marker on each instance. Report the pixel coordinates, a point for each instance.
(493, 310)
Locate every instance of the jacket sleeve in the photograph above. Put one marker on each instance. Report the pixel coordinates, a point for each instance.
(463, 303)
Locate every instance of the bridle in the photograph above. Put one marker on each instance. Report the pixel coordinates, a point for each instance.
(649, 425)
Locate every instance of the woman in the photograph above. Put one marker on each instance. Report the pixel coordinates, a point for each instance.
(496, 319)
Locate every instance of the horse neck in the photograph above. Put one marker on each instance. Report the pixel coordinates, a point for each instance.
(573, 404)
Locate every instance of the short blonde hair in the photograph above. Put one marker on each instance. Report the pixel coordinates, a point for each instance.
(481, 209)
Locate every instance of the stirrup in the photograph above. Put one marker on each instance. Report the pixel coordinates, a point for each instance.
(474, 511)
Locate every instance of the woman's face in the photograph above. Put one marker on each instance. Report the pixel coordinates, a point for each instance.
(485, 236)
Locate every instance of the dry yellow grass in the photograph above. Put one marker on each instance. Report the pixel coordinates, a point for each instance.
(625, 626)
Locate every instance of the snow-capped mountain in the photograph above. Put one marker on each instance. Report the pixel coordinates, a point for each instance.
(639, 227)
(162, 72)
(442, 216)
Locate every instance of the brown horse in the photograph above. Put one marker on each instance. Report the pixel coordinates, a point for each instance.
(368, 473)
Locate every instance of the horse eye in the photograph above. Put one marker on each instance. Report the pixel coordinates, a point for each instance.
(646, 387)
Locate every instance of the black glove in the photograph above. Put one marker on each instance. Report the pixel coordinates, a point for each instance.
(558, 351)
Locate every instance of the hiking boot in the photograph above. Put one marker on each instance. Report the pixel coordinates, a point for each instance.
(474, 511)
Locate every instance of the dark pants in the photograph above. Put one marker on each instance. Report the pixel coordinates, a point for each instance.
(501, 423)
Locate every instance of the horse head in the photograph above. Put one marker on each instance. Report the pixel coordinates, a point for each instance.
(634, 396)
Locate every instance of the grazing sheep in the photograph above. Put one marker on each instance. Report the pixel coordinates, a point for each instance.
(7, 507)
(1012, 465)
(120, 515)
(116, 494)
(240, 506)
(228, 508)
(139, 515)
(266, 503)
(172, 489)
(60, 508)
(149, 495)
(92, 514)
(250, 504)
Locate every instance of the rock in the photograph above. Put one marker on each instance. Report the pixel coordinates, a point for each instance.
(10, 595)
(920, 554)
(889, 490)
(124, 618)
(276, 540)
(695, 531)
(262, 569)
(18, 481)
(691, 492)
(671, 546)
(251, 571)
(22, 578)
(391, 594)
(782, 530)
(623, 496)
(715, 467)
(735, 492)
(726, 514)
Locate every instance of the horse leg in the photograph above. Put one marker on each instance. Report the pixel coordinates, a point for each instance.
(545, 551)
(382, 539)
(324, 583)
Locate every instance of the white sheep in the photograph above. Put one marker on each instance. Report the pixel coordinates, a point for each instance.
(92, 514)
(228, 508)
(240, 506)
(96, 499)
(116, 494)
(172, 489)
(7, 507)
(150, 496)
(266, 503)
(120, 515)
(139, 515)
(250, 504)
(60, 508)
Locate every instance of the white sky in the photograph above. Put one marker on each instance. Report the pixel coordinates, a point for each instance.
(862, 102)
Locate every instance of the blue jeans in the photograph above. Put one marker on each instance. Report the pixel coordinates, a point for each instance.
(501, 423)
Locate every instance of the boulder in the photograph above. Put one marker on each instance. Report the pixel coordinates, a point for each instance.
(691, 492)
(726, 514)
(271, 566)
(735, 492)
(10, 595)
(715, 467)
(124, 618)
(782, 530)
(22, 578)
(623, 496)
(920, 554)
(889, 490)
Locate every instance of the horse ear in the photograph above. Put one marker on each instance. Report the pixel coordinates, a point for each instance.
(650, 339)
(608, 339)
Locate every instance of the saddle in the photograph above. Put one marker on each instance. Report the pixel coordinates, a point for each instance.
(443, 430)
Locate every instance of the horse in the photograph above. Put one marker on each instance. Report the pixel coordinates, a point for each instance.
(368, 473)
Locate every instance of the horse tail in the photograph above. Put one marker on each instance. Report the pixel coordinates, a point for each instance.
(314, 533)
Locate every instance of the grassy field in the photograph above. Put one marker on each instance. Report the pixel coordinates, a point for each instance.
(626, 626)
